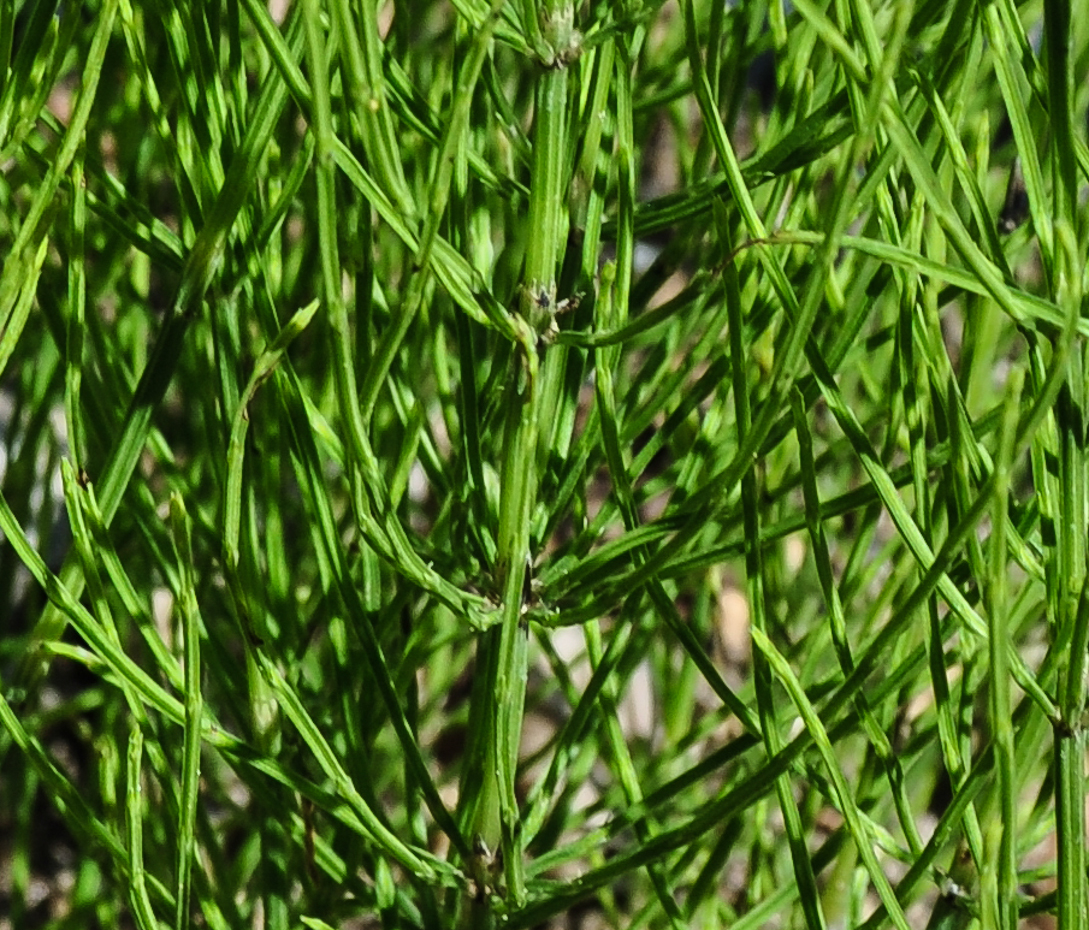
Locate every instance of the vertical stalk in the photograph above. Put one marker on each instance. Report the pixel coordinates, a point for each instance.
(1067, 281)
(1070, 776)
(1070, 807)
(502, 653)
(1060, 87)
(519, 490)
(77, 304)
(142, 911)
(194, 707)
(1073, 615)
(1002, 841)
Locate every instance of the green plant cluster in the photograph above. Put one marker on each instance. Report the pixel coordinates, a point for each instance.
(538, 464)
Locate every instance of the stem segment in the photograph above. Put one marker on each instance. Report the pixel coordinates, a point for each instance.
(502, 654)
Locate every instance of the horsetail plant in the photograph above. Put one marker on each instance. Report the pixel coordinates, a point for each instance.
(527, 463)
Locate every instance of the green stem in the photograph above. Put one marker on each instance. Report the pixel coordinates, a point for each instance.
(1070, 804)
(999, 642)
(502, 656)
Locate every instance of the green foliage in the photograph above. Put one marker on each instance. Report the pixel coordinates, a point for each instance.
(493, 465)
